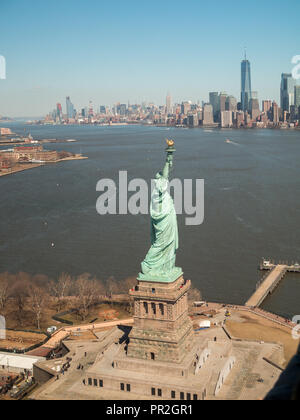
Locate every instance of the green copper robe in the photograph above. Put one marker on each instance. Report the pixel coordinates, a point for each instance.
(159, 264)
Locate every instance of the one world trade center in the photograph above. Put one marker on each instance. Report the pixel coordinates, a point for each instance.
(246, 85)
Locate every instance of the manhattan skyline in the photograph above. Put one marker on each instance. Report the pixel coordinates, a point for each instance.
(138, 53)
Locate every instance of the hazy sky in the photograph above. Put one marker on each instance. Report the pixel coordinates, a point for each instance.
(109, 51)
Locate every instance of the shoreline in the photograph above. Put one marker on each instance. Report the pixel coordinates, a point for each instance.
(159, 125)
(28, 166)
(38, 142)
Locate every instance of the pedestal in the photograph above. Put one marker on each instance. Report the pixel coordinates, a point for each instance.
(162, 329)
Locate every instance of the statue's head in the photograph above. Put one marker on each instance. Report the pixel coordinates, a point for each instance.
(159, 175)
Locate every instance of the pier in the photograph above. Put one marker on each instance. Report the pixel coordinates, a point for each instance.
(270, 281)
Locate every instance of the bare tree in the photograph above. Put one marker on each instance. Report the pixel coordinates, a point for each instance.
(63, 285)
(39, 280)
(19, 294)
(99, 291)
(124, 287)
(38, 299)
(194, 295)
(111, 286)
(86, 293)
(61, 288)
(4, 291)
(127, 284)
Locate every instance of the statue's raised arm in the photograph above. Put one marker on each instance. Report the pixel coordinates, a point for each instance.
(168, 166)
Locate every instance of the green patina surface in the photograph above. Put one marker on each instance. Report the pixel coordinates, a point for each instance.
(159, 263)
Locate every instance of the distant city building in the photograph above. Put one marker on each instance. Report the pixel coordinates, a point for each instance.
(264, 118)
(297, 97)
(266, 105)
(91, 109)
(185, 107)
(200, 114)
(226, 119)
(275, 113)
(254, 108)
(248, 119)
(245, 84)
(59, 114)
(5, 131)
(239, 119)
(28, 153)
(193, 120)
(214, 101)
(231, 103)
(287, 91)
(222, 101)
(208, 117)
(121, 109)
(222, 109)
(293, 113)
(70, 108)
(169, 104)
(254, 94)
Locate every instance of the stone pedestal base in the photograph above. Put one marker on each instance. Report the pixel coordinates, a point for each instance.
(162, 329)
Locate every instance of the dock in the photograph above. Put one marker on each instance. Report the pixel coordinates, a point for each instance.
(270, 281)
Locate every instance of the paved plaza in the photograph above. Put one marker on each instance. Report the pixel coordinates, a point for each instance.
(251, 377)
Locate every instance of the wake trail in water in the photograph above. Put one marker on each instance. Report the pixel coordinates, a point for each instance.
(233, 143)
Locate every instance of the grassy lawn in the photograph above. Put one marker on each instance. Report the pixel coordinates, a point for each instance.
(100, 313)
(257, 328)
(21, 340)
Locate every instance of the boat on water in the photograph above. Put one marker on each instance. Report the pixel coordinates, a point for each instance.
(71, 141)
(267, 263)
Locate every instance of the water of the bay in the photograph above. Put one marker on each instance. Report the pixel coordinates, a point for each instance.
(252, 208)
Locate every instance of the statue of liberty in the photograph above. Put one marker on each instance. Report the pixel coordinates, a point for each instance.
(159, 263)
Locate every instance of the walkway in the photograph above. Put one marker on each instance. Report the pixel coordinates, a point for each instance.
(267, 286)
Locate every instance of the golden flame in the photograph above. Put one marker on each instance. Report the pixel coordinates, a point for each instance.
(170, 142)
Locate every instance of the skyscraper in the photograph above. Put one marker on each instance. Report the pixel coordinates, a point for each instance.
(287, 91)
(214, 101)
(208, 117)
(275, 113)
(122, 110)
(70, 108)
(254, 108)
(91, 109)
(266, 105)
(297, 96)
(231, 103)
(193, 120)
(185, 107)
(246, 84)
(169, 104)
(59, 114)
(226, 119)
(222, 101)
